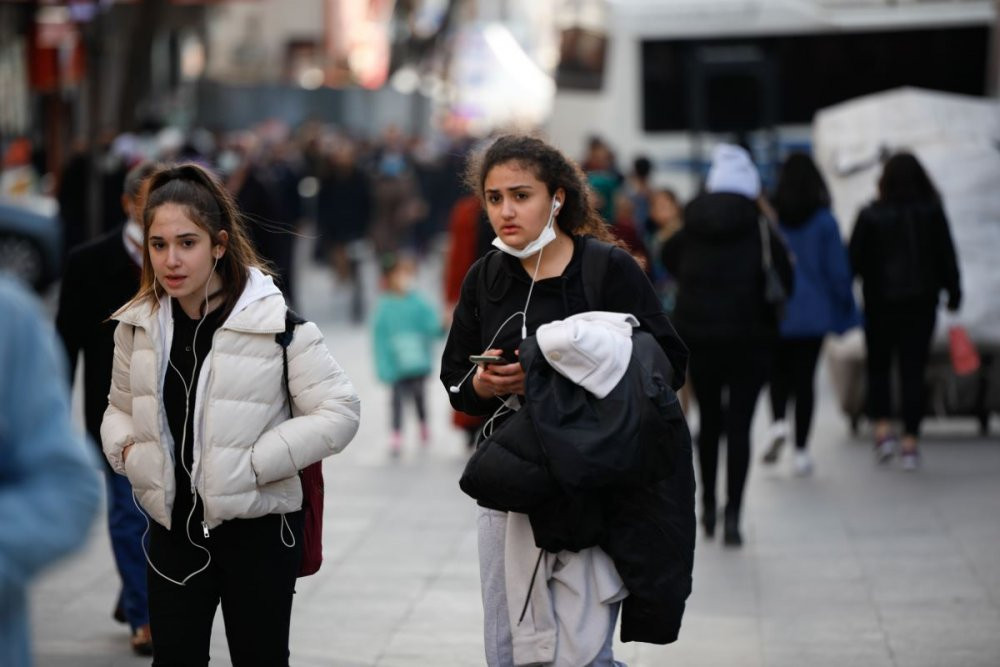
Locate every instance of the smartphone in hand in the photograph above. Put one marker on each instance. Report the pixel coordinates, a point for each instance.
(486, 359)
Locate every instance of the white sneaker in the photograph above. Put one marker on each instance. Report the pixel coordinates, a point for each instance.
(776, 437)
(803, 463)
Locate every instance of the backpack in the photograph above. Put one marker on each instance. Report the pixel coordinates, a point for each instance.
(311, 476)
(596, 256)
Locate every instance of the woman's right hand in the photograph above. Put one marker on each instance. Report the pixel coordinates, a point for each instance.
(498, 379)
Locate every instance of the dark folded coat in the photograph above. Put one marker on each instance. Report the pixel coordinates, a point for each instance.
(613, 472)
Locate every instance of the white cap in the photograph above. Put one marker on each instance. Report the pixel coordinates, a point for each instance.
(591, 349)
(733, 171)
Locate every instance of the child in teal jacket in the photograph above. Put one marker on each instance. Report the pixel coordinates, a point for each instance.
(405, 326)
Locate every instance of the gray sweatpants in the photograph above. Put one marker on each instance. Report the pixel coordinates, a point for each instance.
(496, 620)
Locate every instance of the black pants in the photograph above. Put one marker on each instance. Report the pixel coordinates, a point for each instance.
(900, 332)
(252, 573)
(401, 389)
(743, 368)
(793, 375)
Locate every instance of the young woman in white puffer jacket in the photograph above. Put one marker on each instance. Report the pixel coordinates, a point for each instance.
(198, 421)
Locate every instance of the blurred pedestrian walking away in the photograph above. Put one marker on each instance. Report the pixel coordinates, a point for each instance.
(552, 580)
(49, 484)
(404, 327)
(722, 315)
(199, 421)
(343, 215)
(821, 302)
(100, 277)
(902, 250)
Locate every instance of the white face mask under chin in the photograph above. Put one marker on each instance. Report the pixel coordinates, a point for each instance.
(547, 236)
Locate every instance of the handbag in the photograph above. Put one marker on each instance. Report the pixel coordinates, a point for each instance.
(311, 476)
(775, 294)
(963, 353)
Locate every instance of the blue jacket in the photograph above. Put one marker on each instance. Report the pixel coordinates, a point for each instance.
(404, 327)
(821, 301)
(49, 481)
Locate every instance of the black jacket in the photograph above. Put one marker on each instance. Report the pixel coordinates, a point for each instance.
(905, 253)
(344, 206)
(613, 472)
(100, 277)
(716, 259)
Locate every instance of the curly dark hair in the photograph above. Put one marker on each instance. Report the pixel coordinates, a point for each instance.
(578, 215)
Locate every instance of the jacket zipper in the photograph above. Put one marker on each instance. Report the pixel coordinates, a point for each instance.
(161, 409)
(199, 441)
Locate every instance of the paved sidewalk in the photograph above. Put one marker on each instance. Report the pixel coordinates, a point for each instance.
(856, 565)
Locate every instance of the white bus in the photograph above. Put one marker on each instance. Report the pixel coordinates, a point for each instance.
(678, 75)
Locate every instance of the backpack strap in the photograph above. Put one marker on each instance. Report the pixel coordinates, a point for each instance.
(596, 258)
(284, 339)
(489, 276)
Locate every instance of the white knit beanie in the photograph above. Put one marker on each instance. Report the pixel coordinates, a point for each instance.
(733, 171)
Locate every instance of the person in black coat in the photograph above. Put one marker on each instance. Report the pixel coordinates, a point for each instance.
(538, 206)
(100, 277)
(721, 313)
(902, 250)
(343, 215)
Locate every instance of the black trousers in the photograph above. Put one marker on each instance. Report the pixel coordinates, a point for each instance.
(401, 389)
(793, 375)
(252, 573)
(899, 332)
(742, 368)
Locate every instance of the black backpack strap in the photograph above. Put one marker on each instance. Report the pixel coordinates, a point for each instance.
(596, 258)
(489, 276)
(284, 339)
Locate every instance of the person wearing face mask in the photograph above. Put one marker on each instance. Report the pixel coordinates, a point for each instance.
(404, 327)
(539, 206)
(198, 420)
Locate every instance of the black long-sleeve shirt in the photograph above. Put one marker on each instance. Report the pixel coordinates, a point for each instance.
(179, 401)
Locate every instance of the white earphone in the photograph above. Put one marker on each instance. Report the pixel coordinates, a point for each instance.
(555, 204)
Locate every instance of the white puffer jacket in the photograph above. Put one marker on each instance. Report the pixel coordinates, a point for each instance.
(247, 453)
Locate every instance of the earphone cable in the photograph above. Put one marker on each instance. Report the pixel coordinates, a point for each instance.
(188, 386)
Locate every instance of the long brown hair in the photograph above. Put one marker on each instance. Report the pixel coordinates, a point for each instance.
(210, 207)
(578, 215)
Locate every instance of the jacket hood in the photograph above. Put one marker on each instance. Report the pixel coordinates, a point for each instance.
(721, 216)
(259, 287)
